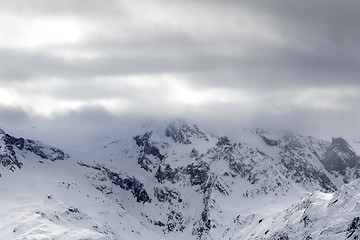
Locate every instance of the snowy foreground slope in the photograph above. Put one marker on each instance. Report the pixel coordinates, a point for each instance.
(178, 182)
(319, 216)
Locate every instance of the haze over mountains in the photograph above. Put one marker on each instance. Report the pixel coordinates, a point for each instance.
(176, 181)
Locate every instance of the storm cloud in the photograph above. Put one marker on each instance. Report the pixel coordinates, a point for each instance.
(276, 64)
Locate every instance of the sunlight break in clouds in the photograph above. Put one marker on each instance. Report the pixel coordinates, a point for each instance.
(37, 32)
(170, 90)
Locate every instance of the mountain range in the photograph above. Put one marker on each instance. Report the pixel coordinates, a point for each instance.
(178, 181)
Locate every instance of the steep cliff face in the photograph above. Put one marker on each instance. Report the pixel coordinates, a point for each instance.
(339, 156)
(340, 159)
(178, 182)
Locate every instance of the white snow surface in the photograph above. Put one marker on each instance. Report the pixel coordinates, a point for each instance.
(250, 190)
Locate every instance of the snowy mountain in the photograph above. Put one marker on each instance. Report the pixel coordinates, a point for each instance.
(319, 216)
(176, 181)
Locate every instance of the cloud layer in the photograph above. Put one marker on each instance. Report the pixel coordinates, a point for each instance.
(279, 64)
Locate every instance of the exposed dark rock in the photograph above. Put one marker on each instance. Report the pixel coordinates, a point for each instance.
(73, 210)
(8, 155)
(270, 142)
(36, 147)
(169, 174)
(181, 132)
(175, 221)
(10, 160)
(166, 195)
(194, 153)
(124, 182)
(221, 188)
(142, 140)
(178, 135)
(198, 173)
(129, 184)
(204, 223)
(354, 229)
(159, 223)
(147, 148)
(238, 167)
(280, 236)
(223, 141)
(339, 156)
(294, 144)
(306, 220)
(97, 167)
(10, 140)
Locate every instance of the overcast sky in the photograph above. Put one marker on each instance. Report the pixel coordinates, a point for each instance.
(267, 63)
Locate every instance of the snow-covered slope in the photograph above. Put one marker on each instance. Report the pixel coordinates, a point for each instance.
(45, 195)
(319, 216)
(173, 181)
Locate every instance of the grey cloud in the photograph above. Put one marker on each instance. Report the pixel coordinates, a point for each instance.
(12, 115)
(280, 67)
(320, 50)
(328, 29)
(90, 123)
(230, 120)
(331, 26)
(30, 65)
(79, 8)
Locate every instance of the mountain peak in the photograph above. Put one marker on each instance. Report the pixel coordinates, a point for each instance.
(340, 143)
(340, 157)
(183, 132)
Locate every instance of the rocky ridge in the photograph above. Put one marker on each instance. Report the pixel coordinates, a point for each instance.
(13, 150)
(180, 181)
